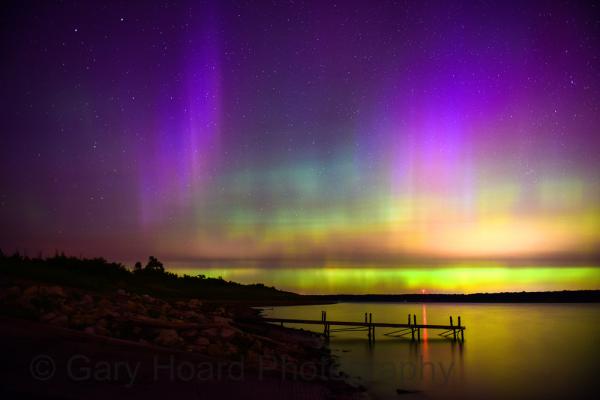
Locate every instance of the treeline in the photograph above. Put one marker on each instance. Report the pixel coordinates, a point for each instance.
(100, 274)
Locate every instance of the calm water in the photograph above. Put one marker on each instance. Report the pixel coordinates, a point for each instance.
(510, 350)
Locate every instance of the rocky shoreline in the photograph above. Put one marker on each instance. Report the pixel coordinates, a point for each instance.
(217, 331)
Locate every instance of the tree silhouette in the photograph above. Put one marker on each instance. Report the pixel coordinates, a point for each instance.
(154, 265)
(137, 267)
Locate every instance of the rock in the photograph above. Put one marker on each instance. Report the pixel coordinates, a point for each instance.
(194, 303)
(230, 349)
(201, 319)
(228, 333)
(215, 350)
(121, 292)
(222, 320)
(67, 309)
(210, 332)
(190, 315)
(166, 308)
(60, 320)
(148, 299)
(404, 391)
(189, 333)
(252, 356)
(87, 299)
(57, 291)
(31, 291)
(201, 341)
(90, 330)
(141, 309)
(25, 303)
(13, 291)
(81, 320)
(131, 306)
(104, 303)
(101, 331)
(257, 346)
(48, 317)
(168, 337)
(113, 313)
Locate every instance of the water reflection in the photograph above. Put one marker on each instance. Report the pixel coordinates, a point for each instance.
(541, 359)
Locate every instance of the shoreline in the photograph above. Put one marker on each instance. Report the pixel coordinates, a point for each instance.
(131, 331)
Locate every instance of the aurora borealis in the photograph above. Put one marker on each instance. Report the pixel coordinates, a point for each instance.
(364, 132)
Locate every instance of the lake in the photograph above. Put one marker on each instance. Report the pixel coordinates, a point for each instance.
(510, 350)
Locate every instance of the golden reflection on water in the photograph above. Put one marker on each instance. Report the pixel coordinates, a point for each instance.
(510, 350)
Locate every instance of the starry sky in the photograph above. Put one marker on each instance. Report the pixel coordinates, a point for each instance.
(369, 131)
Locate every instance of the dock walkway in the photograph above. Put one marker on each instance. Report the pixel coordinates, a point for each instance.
(411, 327)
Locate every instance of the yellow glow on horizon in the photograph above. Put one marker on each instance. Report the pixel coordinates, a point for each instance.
(458, 278)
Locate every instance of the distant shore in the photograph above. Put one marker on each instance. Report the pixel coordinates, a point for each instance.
(565, 296)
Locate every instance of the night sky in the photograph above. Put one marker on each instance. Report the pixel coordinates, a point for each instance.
(316, 130)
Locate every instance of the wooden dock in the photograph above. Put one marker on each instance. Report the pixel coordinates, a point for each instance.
(454, 332)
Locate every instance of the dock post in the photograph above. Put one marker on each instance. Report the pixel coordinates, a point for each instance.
(412, 330)
(325, 323)
(462, 331)
(372, 327)
(453, 330)
(417, 329)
